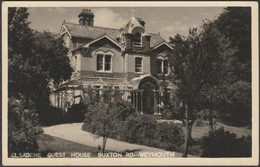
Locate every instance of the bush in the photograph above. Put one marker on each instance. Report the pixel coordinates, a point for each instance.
(139, 129)
(50, 115)
(23, 128)
(117, 112)
(199, 122)
(145, 130)
(119, 120)
(76, 113)
(220, 143)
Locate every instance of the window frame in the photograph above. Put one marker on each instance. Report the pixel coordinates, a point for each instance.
(103, 70)
(162, 66)
(141, 42)
(142, 64)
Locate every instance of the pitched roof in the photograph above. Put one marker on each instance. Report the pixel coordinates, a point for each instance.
(134, 22)
(82, 31)
(94, 32)
(156, 39)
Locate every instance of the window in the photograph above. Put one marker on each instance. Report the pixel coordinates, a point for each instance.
(122, 36)
(162, 66)
(137, 39)
(100, 62)
(104, 62)
(107, 62)
(165, 66)
(138, 64)
(159, 66)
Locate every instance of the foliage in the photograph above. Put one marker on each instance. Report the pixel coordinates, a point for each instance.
(145, 130)
(200, 63)
(23, 128)
(234, 21)
(76, 113)
(34, 60)
(50, 115)
(105, 119)
(236, 104)
(139, 129)
(220, 143)
(120, 121)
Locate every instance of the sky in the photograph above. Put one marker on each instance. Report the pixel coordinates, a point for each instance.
(167, 20)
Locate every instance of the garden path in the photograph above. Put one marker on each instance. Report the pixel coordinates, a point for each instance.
(73, 132)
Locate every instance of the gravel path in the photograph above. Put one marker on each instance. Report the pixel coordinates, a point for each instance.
(73, 132)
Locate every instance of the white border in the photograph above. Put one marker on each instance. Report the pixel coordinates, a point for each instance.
(135, 161)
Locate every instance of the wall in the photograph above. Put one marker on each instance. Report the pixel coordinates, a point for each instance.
(130, 65)
(89, 58)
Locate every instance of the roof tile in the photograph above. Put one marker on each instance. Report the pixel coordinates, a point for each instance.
(94, 32)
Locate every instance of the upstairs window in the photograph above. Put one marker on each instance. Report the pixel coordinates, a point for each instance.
(138, 64)
(137, 39)
(100, 62)
(104, 62)
(122, 37)
(162, 66)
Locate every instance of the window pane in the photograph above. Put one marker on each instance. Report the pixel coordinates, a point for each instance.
(138, 64)
(159, 66)
(99, 62)
(107, 62)
(165, 66)
(137, 39)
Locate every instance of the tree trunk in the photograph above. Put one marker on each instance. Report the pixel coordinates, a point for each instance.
(188, 127)
(104, 144)
(211, 120)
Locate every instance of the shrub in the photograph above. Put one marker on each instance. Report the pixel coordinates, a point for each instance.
(23, 128)
(145, 130)
(120, 121)
(220, 143)
(50, 115)
(76, 113)
(199, 122)
(139, 129)
(170, 136)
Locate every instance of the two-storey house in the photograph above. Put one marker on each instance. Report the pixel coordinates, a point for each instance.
(130, 60)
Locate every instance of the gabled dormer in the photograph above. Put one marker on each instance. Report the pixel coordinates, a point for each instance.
(136, 38)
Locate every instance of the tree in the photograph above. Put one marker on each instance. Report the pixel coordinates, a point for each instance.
(235, 24)
(199, 63)
(34, 60)
(106, 119)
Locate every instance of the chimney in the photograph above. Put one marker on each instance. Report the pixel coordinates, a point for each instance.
(86, 17)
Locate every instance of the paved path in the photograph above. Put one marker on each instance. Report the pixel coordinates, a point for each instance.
(73, 132)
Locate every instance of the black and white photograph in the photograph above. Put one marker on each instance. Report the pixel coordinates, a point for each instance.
(120, 83)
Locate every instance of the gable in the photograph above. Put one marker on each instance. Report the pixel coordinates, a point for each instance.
(103, 39)
(106, 43)
(163, 49)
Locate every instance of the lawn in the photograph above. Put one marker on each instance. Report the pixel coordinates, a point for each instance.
(49, 144)
(199, 131)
